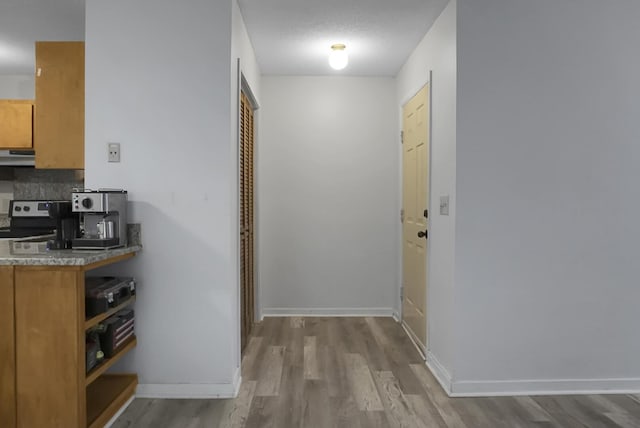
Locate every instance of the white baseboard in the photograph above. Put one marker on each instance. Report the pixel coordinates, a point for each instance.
(529, 387)
(191, 390)
(328, 312)
(119, 412)
(441, 374)
(545, 387)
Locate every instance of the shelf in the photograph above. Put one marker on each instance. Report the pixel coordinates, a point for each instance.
(107, 395)
(107, 363)
(91, 322)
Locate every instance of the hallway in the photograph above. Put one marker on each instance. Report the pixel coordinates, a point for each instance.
(361, 372)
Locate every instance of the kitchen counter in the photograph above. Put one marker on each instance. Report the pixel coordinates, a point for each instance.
(16, 253)
(43, 325)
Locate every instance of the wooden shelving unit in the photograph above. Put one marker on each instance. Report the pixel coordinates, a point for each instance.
(109, 362)
(107, 395)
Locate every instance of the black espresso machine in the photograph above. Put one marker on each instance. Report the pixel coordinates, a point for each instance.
(67, 225)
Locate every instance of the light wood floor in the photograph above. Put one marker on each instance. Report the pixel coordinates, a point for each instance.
(361, 373)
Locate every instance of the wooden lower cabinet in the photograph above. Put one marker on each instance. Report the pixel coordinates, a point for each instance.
(7, 350)
(52, 387)
(49, 336)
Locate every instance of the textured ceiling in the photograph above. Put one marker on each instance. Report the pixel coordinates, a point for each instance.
(293, 37)
(289, 36)
(22, 22)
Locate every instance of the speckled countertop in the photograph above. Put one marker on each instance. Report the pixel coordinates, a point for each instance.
(36, 254)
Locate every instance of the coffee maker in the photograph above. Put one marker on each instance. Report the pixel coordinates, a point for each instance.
(67, 225)
(103, 214)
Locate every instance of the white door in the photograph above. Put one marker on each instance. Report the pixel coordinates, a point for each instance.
(415, 197)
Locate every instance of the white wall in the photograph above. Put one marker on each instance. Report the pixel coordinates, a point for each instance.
(437, 52)
(158, 81)
(547, 196)
(17, 86)
(328, 177)
(241, 49)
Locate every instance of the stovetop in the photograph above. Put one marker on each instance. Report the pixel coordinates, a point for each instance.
(9, 233)
(28, 219)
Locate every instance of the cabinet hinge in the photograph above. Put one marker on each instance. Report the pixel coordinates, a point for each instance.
(402, 216)
(401, 137)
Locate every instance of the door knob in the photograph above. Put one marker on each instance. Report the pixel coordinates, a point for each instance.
(422, 234)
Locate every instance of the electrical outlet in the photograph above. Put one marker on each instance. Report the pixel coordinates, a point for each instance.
(114, 152)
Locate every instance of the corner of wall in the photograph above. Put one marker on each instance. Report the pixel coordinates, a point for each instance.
(437, 52)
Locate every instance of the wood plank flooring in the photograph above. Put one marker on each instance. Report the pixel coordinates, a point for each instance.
(361, 373)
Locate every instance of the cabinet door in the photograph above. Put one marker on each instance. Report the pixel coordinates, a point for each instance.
(7, 350)
(16, 124)
(49, 331)
(59, 110)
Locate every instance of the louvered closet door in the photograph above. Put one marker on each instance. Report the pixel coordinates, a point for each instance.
(246, 218)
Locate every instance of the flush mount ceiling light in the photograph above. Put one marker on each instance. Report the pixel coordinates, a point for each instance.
(338, 58)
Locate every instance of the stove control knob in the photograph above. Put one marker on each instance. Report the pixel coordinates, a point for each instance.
(87, 203)
(27, 208)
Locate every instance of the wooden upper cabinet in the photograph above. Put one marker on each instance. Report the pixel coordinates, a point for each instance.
(16, 124)
(59, 107)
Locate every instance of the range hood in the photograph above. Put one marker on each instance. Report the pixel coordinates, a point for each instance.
(17, 158)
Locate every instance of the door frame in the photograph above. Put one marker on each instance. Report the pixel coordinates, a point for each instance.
(246, 88)
(242, 85)
(423, 352)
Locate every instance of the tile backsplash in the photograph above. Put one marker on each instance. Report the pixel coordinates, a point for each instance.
(30, 183)
(6, 194)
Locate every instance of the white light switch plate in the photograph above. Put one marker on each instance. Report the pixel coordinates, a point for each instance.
(444, 205)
